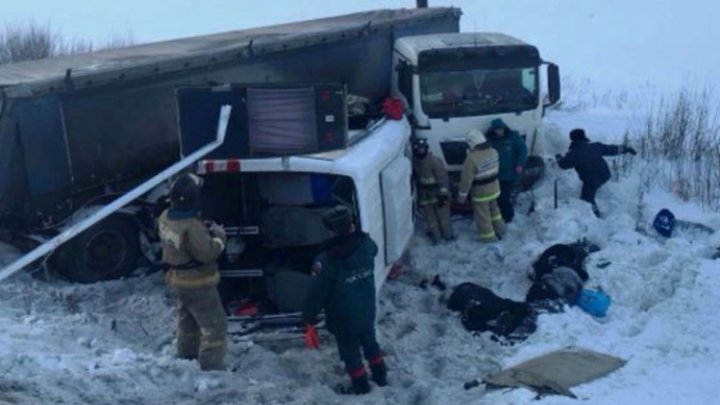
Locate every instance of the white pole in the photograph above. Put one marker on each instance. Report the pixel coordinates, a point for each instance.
(128, 197)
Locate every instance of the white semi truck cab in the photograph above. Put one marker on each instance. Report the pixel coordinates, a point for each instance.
(451, 83)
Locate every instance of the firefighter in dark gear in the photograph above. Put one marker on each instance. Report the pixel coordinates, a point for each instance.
(512, 153)
(190, 251)
(343, 284)
(433, 189)
(587, 159)
(479, 178)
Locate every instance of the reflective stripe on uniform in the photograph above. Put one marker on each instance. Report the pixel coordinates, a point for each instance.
(212, 344)
(195, 282)
(428, 181)
(427, 202)
(487, 198)
(490, 235)
(497, 217)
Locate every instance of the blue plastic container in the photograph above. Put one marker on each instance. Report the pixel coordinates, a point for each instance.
(594, 302)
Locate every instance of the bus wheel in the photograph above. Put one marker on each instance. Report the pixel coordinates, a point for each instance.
(108, 250)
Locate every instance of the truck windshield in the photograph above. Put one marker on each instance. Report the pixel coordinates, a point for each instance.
(478, 91)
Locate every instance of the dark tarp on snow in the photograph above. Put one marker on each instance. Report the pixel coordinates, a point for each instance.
(557, 372)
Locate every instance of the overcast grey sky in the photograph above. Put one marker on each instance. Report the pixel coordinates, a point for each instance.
(612, 42)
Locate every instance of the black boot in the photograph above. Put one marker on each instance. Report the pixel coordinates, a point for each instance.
(360, 385)
(379, 373)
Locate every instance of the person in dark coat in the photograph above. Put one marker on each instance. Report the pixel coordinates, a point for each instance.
(343, 285)
(512, 153)
(587, 159)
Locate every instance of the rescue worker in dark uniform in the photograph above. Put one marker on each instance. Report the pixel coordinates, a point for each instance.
(587, 159)
(513, 155)
(190, 251)
(433, 191)
(343, 284)
(479, 178)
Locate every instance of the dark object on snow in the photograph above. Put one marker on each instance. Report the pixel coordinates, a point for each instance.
(483, 311)
(664, 222)
(437, 283)
(562, 283)
(555, 373)
(563, 255)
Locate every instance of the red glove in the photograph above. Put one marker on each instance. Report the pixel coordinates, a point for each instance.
(311, 338)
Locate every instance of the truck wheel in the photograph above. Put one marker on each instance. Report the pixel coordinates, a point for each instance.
(108, 250)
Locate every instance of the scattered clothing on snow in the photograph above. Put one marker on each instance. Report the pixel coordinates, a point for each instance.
(563, 255)
(557, 283)
(483, 311)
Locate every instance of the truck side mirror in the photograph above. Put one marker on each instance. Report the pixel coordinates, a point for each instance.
(553, 77)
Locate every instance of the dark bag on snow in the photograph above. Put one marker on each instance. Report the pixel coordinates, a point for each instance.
(563, 255)
(664, 222)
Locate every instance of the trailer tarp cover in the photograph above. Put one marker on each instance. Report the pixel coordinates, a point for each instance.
(145, 60)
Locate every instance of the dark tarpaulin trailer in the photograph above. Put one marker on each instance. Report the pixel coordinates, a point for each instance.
(74, 128)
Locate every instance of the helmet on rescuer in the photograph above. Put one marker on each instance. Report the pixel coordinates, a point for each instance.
(185, 191)
(474, 138)
(420, 147)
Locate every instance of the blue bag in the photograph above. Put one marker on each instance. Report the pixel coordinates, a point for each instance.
(664, 222)
(594, 302)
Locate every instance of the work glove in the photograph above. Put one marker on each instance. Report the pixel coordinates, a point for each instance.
(630, 150)
(442, 200)
(311, 338)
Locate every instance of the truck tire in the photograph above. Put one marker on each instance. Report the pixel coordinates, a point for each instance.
(108, 250)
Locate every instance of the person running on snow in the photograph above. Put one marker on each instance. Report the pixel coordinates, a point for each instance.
(587, 159)
(480, 179)
(433, 191)
(343, 284)
(190, 251)
(513, 154)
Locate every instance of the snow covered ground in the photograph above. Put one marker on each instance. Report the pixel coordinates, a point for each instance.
(112, 342)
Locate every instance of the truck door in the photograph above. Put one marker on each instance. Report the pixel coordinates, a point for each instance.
(397, 207)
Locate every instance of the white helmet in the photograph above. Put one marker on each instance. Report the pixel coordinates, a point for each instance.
(474, 138)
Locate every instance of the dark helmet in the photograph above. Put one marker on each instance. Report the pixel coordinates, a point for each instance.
(185, 191)
(338, 220)
(420, 147)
